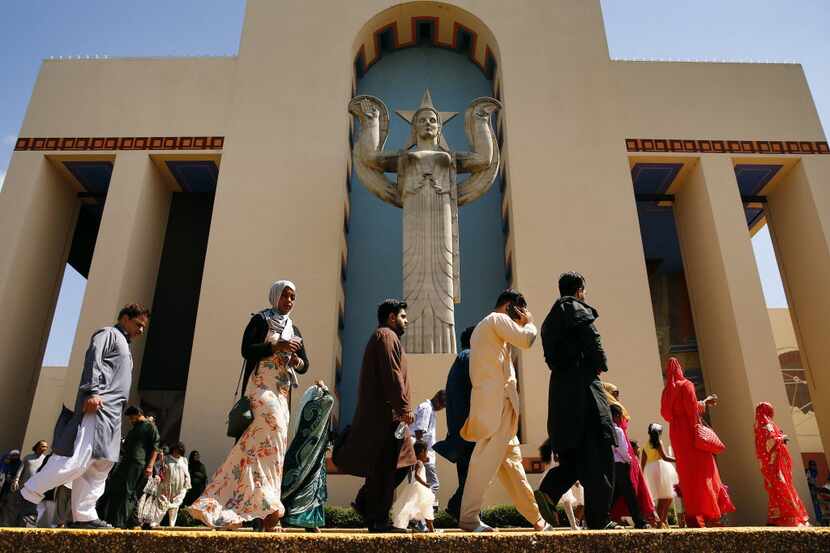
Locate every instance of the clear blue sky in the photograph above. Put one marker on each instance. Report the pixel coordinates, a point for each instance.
(741, 30)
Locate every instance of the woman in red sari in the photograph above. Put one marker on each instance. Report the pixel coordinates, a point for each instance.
(785, 507)
(705, 498)
(638, 480)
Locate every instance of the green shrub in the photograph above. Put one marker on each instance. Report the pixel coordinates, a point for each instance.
(504, 516)
(343, 517)
(444, 520)
(672, 516)
(499, 516)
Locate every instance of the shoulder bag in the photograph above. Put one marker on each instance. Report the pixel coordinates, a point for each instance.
(240, 416)
(706, 439)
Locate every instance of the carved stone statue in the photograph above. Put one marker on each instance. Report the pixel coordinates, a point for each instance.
(429, 194)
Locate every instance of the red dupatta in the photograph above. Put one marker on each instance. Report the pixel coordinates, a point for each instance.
(675, 379)
(785, 507)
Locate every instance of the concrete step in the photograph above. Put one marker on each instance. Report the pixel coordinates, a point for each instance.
(715, 540)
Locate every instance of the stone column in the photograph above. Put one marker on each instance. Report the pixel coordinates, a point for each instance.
(37, 215)
(737, 349)
(127, 254)
(799, 219)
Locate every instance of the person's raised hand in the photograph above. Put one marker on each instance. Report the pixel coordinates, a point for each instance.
(711, 401)
(92, 404)
(285, 346)
(525, 316)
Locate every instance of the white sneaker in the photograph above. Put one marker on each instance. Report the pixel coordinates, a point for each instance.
(481, 528)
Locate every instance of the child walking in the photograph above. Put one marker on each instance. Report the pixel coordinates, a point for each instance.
(414, 499)
(164, 493)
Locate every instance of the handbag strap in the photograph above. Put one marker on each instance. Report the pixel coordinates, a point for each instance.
(239, 381)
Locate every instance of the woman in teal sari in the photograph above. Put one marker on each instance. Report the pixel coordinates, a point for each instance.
(304, 491)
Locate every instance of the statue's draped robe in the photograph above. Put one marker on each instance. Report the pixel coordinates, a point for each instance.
(428, 189)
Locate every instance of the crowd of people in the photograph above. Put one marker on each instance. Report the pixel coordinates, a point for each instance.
(275, 474)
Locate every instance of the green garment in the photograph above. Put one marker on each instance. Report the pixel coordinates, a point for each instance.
(140, 443)
(127, 480)
(304, 492)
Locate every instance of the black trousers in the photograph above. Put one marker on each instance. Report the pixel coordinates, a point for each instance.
(625, 489)
(593, 466)
(462, 467)
(375, 497)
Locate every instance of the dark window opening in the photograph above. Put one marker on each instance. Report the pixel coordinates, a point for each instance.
(425, 33)
(385, 41)
(464, 41)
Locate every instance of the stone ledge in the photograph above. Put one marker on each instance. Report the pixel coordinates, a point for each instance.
(721, 540)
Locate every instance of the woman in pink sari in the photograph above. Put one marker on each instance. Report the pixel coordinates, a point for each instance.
(705, 498)
(785, 507)
(638, 481)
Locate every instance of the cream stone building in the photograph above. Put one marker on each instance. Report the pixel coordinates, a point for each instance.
(191, 184)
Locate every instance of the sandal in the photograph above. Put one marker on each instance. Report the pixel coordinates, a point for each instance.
(271, 523)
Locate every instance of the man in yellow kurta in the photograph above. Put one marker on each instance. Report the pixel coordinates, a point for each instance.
(494, 412)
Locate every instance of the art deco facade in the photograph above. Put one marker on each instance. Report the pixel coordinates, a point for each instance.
(191, 184)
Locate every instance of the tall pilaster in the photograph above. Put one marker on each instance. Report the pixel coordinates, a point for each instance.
(38, 209)
(127, 254)
(737, 348)
(799, 219)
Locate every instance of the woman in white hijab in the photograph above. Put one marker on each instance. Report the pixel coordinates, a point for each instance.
(248, 484)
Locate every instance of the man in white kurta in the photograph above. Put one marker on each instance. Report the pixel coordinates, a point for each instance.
(494, 412)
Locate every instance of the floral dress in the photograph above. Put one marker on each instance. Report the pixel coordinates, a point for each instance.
(247, 486)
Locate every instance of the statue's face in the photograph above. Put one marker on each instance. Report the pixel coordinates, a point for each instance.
(427, 125)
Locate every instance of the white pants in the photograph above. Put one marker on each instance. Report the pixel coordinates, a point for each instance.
(87, 475)
(46, 514)
(172, 515)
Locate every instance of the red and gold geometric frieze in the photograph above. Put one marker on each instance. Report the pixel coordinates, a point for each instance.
(679, 145)
(97, 143)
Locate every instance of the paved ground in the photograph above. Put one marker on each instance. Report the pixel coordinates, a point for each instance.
(720, 540)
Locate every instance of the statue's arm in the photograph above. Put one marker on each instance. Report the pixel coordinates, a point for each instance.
(370, 162)
(483, 161)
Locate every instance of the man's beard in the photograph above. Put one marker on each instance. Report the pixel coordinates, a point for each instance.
(399, 330)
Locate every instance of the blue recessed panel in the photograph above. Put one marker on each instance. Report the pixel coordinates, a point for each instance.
(658, 232)
(753, 214)
(654, 178)
(375, 236)
(94, 176)
(194, 175)
(753, 178)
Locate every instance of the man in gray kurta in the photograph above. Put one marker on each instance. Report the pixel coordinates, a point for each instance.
(86, 443)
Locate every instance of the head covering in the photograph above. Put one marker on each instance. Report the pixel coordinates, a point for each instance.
(765, 428)
(675, 379)
(279, 323)
(763, 414)
(610, 389)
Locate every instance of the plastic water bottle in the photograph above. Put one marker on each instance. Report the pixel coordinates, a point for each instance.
(400, 431)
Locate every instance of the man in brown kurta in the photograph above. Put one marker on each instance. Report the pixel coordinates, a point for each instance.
(371, 449)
